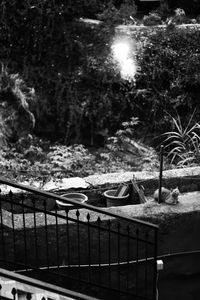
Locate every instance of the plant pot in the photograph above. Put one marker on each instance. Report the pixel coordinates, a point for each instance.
(112, 200)
(71, 196)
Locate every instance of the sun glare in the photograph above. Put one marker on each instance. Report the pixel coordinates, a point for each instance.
(121, 50)
(123, 54)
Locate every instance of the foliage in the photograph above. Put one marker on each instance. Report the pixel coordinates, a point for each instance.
(17, 102)
(179, 17)
(183, 143)
(190, 6)
(152, 19)
(123, 15)
(127, 11)
(72, 159)
(163, 10)
(67, 63)
(125, 145)
(168, 80)
(76, 160)
(198, 19)
(50, 52)
(56, 164)
(81, 96)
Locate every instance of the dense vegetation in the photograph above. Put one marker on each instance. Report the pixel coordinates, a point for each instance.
(81, 97)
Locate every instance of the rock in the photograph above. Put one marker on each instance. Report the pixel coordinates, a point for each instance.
(66, 183)
(50, 185)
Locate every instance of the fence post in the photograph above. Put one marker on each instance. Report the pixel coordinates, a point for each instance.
(159, 264)
(160, 175)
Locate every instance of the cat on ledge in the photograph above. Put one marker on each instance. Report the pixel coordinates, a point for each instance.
(167, 196)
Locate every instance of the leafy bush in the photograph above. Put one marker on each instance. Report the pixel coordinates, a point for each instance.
(180, 17)
(190, 6)
(168, 80)
(17, 102)
(152, 19)
(163, 10)
(70, 159)
(198, 19)
(38, 165)
(123, 15)
(125, 145)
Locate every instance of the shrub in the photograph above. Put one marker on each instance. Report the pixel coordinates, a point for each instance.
(110, 14)
(163, 10)
(180, 17)
(152, 19)
(126, 146)
(168, 81)
(123, 15)
(198, 19)
(190, 6)
(17, 101)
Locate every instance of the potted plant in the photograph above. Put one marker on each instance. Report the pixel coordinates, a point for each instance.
(117, 197)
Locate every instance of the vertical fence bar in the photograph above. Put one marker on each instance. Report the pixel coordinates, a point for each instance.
(14, 292)
(68, 240)
(24, 231)
(118, 246)
(136, 267)
(28, 296)
(146, 264)
(13, 227)
(99, 246)
(89, 247)
(46, 233)
(57, 239)
(78, 244)
(109, 254)
(160, 173)
(128, 258)
(155, 263)
(35, 234)
(2, 233)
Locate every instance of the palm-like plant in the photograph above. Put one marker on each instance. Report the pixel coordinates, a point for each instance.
(183, 143)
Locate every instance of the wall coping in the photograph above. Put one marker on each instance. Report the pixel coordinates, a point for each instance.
(124, 177)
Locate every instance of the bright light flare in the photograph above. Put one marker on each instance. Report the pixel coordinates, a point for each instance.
(121, 50)
(123, 54)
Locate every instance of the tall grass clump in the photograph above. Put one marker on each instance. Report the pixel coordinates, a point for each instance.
(182, 143)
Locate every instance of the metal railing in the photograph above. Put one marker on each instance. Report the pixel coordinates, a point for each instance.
(15, 286)
(81, 248)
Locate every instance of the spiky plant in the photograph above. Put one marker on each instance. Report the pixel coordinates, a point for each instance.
(182, 144)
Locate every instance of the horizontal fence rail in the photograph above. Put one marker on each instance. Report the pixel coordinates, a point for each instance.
(81, 248)
(14, 286)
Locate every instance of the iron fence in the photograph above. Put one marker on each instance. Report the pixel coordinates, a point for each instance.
(81, 248)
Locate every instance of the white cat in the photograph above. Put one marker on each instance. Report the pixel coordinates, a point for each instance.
(167, 196)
